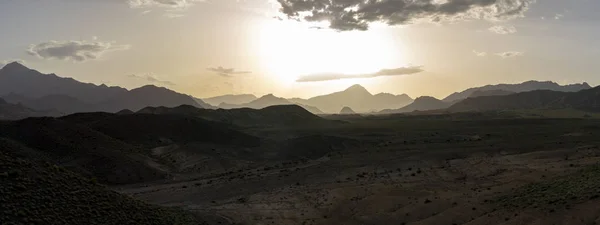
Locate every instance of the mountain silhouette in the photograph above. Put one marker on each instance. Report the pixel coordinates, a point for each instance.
(588, 99)
(480, 93)
(148, 95)
(347, 110)
(270, 100)
(230, 99)
(424, 103)
(358, 98)
(19, 84)
(522, 87)
(18, 79)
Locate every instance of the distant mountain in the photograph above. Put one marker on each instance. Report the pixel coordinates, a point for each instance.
(522, 87)
(424, 103)
(10, 111)
(19, 84)
(480, 93)
(588, 100)
(270, 100)
(230, 99)
(62, 103)
(357, 98)
(347, 110)
(148, 95)
(18, 79)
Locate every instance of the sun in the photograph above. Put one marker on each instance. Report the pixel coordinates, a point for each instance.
(290, 49)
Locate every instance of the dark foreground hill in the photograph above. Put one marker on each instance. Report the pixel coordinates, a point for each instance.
(80, 149)
(42, 193)
(278, 115)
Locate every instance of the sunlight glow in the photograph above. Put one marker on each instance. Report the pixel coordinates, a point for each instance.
(290, 49)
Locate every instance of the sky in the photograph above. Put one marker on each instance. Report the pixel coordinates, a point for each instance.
(304, 48)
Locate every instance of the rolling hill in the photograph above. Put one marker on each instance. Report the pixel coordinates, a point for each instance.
(10, 111)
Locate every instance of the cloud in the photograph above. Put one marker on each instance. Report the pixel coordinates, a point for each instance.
(508, 29)
(226, 71)
(480, 54)
(78, 51)
(5, 62)
(346, 15)
(152, 79)
(174, 4)
(509, 54)
(339, 76)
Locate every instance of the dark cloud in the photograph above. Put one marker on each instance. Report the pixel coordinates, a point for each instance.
(78, 51)
(227, 71)
(358, 14)
(509, 54)
(340, 76)
(152, 79)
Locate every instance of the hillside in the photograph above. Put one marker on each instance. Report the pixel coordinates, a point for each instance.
(42, 193)
(480, 93)
(62, 103)
(522, 87)
(424, 103)
(278, 115)
(152, 130)
(81, 149)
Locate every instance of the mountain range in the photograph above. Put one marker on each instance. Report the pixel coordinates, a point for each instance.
(355, 97)
(516, 88)
(21, 85)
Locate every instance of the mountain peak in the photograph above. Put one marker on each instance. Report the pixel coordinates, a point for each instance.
(14, 67)
(357, 88)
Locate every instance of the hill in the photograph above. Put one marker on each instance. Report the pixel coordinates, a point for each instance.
(346, 111)
(522, 87)
(588, 99)
(278, 115)
(424, 103)
(81, 149)
(155, 130)
(42, 193)
(230, 99)
(357, 98)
